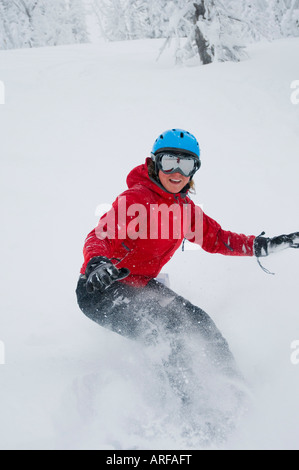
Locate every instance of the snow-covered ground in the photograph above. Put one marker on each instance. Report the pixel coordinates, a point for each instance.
(76, 120)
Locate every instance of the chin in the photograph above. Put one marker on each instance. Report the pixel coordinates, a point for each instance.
(175, 189)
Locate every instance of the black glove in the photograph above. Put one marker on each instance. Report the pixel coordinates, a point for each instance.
(265, 246)
(101, 273)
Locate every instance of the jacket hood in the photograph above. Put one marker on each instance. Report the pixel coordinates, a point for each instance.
(139, 177)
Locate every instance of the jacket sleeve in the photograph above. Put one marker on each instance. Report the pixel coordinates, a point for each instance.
(110, 232)
(213, 239)
(217, 240)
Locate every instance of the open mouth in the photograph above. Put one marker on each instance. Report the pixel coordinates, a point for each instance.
(174, 181)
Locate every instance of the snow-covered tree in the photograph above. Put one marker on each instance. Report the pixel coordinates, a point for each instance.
(269, 19)
(159, 15)
(4, 40)
(77, 20)
(33, 23)
(205, 28)
(214, 30)
(218, 32)
(123, 19)
(287, 16)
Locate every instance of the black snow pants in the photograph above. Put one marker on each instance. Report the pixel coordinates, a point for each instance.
(153, 314)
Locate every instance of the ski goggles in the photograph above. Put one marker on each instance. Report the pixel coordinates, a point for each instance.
(170, 163)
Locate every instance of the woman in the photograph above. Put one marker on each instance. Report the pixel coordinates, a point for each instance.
(125, 253)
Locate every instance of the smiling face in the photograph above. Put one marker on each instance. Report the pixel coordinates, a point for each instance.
(174, 183)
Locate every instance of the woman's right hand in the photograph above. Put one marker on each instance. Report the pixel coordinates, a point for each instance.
(101, 273)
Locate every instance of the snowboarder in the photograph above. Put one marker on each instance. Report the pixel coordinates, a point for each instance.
(125, 253)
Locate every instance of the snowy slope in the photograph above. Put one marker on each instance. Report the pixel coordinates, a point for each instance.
(76, 120)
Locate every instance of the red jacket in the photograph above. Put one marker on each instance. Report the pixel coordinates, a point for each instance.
(141, 239)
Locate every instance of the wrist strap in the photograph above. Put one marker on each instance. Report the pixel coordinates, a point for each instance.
(258, 258)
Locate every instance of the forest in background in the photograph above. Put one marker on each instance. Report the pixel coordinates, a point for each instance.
(209, 29)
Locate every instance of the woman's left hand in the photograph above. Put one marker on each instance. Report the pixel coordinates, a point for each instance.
(264, 246)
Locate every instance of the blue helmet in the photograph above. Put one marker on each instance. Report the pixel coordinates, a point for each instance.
(177, 140)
